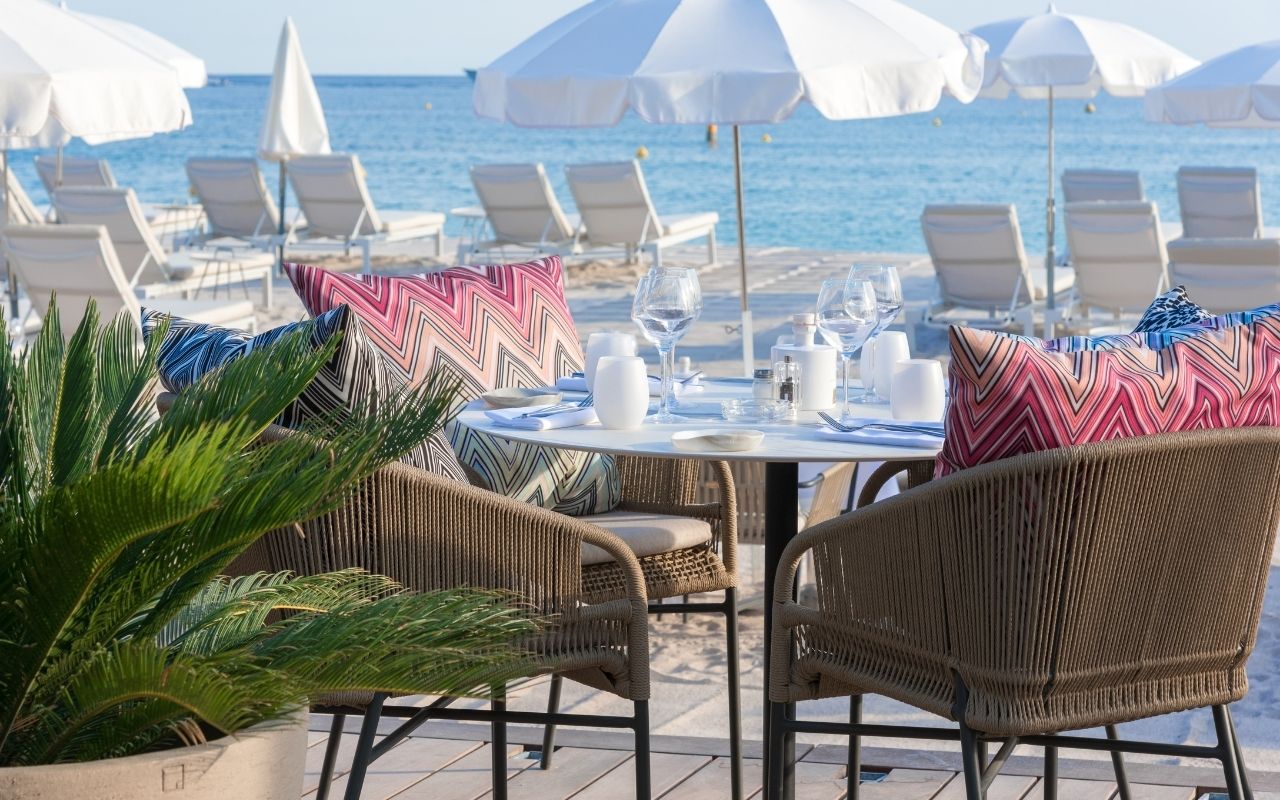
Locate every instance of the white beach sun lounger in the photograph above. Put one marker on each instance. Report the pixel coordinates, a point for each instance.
(1219, 202)
(164, 219)
(148, 268)
(21, 210)
(78, 262)
(1118, 253)
(1226, 275)
(236, 202)
(616, 211)
(332, 193)
(981, 265)
(1102, 185)
(521, 210)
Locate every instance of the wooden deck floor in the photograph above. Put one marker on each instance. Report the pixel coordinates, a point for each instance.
(450, 761)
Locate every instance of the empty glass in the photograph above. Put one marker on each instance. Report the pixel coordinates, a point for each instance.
(847, 315)
(668, 300)
(888, 289)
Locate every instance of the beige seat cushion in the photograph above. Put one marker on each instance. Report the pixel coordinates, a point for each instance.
(646, 534)
(397, 221)
(683, 223)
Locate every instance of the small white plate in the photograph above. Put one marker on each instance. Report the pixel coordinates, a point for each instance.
(519, 398)
(729, 440)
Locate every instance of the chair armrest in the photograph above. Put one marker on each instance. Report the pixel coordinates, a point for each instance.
(670, 486)
(919, 471)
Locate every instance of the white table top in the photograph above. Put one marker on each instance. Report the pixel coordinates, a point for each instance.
(789, 442)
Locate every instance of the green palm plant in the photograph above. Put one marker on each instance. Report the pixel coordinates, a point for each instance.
(117, 635)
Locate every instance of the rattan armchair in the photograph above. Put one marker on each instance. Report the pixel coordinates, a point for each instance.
(1069, 589)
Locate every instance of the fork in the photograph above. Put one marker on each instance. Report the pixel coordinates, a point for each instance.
(888, 426)
(587, 402)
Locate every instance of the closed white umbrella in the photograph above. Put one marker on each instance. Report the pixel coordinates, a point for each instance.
(729, 62)
(1240, 89)
(190, 68)
(294, 124)
(1072, 56)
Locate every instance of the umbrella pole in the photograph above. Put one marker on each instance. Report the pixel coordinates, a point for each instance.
(57, 169)
(280, 249)
(8, 268)
(748, 334)
(1050, 219)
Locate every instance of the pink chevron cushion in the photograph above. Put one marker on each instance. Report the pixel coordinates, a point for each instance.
(492, 327)
(1010, 396)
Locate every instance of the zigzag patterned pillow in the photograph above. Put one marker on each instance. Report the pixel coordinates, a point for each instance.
(191, 349)
(491, 326)
(1010, 396)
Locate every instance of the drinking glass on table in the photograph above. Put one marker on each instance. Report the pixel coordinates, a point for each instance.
(888, 289)
(668, 300)
(847, 315)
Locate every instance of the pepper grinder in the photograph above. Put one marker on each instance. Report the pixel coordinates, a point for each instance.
(787, 385)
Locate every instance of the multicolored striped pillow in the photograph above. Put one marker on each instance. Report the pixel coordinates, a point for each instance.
(492, 327)
(1010, 396)
(1154, 339)
(354, 374)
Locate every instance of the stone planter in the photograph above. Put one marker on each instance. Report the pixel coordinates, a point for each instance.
(264, 762)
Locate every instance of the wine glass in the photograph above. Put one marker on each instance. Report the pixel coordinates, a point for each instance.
(888, 288)
(668, 300)
(847, 315)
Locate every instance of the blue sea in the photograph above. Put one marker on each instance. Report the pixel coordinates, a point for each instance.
(810, 182)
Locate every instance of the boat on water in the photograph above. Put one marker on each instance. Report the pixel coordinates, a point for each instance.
(471, 73)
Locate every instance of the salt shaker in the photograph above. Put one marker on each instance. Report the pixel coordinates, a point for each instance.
(762, 384)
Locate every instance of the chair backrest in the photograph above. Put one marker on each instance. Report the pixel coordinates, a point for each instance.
(613, 202)
(1219, 202)
(520, 204)
(977, 254)
(234, 197)
(1226, 275)
(137, 248)
(1102, 185)
(1118, 254)
(75, 172)
(77, 262)
(21, 210)
(333, 195)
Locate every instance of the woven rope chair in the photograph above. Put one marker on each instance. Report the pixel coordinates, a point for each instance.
(1074, 588)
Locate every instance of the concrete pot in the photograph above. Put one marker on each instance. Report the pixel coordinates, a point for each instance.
(264, 762)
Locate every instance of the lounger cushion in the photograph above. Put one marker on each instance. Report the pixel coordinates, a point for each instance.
(676, 224)
(1010, 396)
(192, 349)
(490, 327)
(1173, 309)
(400, 221)
(646, 534)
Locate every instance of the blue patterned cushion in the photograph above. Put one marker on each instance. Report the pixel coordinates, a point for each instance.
(192, 349)
(1173, 309)
(1154, 340)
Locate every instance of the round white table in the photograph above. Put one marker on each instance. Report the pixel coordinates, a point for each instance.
(784, 447)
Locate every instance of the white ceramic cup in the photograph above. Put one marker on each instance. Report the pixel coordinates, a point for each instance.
(622, 392)
(918, 391)
(605, 343)
(890, 348)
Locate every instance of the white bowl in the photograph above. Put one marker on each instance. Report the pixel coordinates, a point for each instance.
(516, 397)
(728, 440)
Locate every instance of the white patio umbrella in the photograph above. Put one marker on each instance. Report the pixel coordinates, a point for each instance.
(1240, 89)
(730, 62)
(1054, 55)
(190, 68)
(294, 124)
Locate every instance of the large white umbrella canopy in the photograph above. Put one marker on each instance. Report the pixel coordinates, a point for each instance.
(1053, 55)
(1240, 89)
(729, 62)
(190, 68)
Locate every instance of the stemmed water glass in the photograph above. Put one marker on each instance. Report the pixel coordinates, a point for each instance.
(847, 315)
(668, 300)
(888, 290)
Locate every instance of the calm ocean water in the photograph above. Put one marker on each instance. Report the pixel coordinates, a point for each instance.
(817, 184)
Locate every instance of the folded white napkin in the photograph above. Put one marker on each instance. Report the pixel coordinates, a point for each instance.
(515, 418)
(577, 383)
(887, 436)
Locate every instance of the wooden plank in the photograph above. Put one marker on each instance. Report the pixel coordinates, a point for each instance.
(1070, 789)
(315, 760)
(1150, 791)
(666, 770)
(712, 781)
(572, 770)
(907, 784)
(1004, 787)
(316, 737)
(815, 781)
(405, 764)
(467, 778)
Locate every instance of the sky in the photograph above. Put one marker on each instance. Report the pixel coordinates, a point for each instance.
(441, 37)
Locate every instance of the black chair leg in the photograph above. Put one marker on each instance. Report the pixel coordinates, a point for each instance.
(498, 743)
(774, 752)
(855, 748)
(1051, 773)
(644, 769)
(549, 732)
(735, 692)
(1235, 745)
(330, 756)
(1117, 764)
(972, 764)
(364, 748)
(1227, 753)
